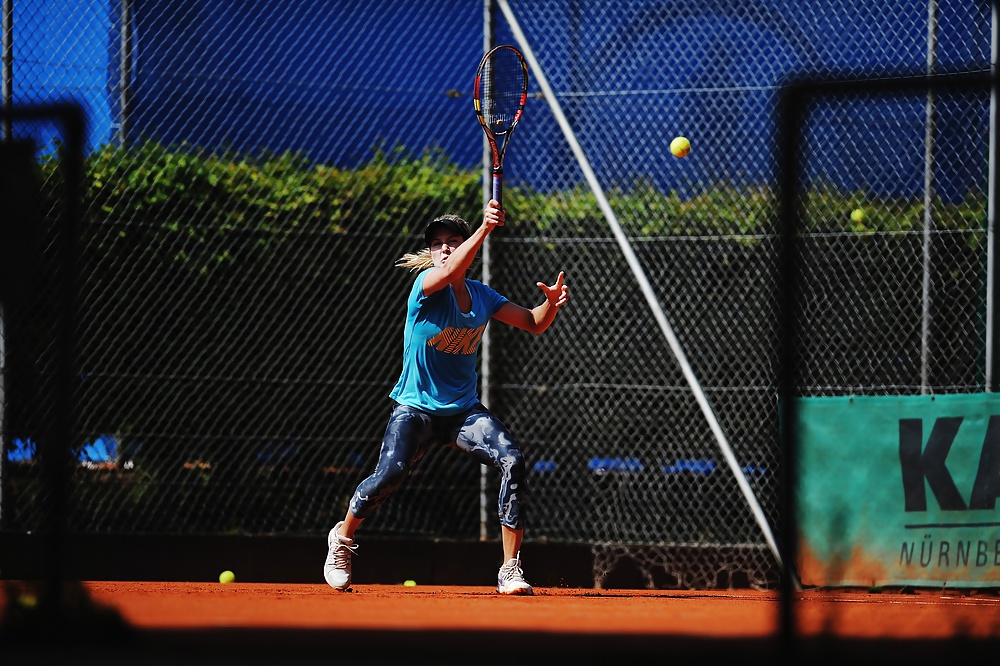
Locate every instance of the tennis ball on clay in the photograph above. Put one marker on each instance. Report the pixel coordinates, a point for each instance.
(227, 576)
(857, 215)
(410, 583)
(680, 146)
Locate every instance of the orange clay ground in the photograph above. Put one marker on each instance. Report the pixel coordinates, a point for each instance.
(391, 623)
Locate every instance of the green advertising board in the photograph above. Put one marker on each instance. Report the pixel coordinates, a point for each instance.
(899, 490)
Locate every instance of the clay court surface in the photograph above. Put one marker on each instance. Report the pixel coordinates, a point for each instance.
(745, 613)
(188, 622)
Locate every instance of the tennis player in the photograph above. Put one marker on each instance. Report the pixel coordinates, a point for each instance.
(436, 400)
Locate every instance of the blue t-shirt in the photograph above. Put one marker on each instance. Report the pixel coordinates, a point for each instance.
(439, 347)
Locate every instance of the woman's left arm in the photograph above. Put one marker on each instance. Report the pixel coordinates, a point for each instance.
(537, 319)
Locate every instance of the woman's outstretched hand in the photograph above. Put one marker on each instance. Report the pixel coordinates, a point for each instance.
(556, 294)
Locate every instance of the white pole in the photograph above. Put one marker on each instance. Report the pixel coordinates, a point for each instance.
(929, 122)
(7, 66)
(991, 205)
(485, 346)
(644, 285)
(125, 75)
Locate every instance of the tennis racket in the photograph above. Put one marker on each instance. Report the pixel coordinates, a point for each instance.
(501, 90)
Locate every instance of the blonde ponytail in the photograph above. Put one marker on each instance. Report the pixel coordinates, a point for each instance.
(416, 261)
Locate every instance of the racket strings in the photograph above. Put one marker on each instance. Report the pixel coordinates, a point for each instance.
(502, 90)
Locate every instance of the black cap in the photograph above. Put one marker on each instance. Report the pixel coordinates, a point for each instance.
(453, 223)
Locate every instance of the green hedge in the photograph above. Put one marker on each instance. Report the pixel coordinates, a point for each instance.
(208, 197)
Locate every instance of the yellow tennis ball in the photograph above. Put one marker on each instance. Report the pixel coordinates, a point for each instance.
(857, 215)
(227, 576)
(680, 146)
(410, 583)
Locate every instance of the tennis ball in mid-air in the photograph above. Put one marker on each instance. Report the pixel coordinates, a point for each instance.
(680, 146)
(410, 583)
(227, 576)
(857, 215)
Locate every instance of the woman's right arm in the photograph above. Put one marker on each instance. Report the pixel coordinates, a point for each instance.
(461, 259)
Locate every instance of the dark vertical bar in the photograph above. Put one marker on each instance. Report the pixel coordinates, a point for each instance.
(19, 188)
(790, 119)
(57, 463)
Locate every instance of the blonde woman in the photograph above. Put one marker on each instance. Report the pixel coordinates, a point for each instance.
(436, 400)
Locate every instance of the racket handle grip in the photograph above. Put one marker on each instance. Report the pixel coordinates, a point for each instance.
(498, 188)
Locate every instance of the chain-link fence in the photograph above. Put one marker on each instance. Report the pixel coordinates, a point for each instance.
(255, 168)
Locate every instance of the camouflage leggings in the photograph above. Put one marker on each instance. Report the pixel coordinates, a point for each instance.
(410, 434)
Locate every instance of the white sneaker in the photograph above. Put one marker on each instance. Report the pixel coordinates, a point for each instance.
(510, 579)
(337, 570)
